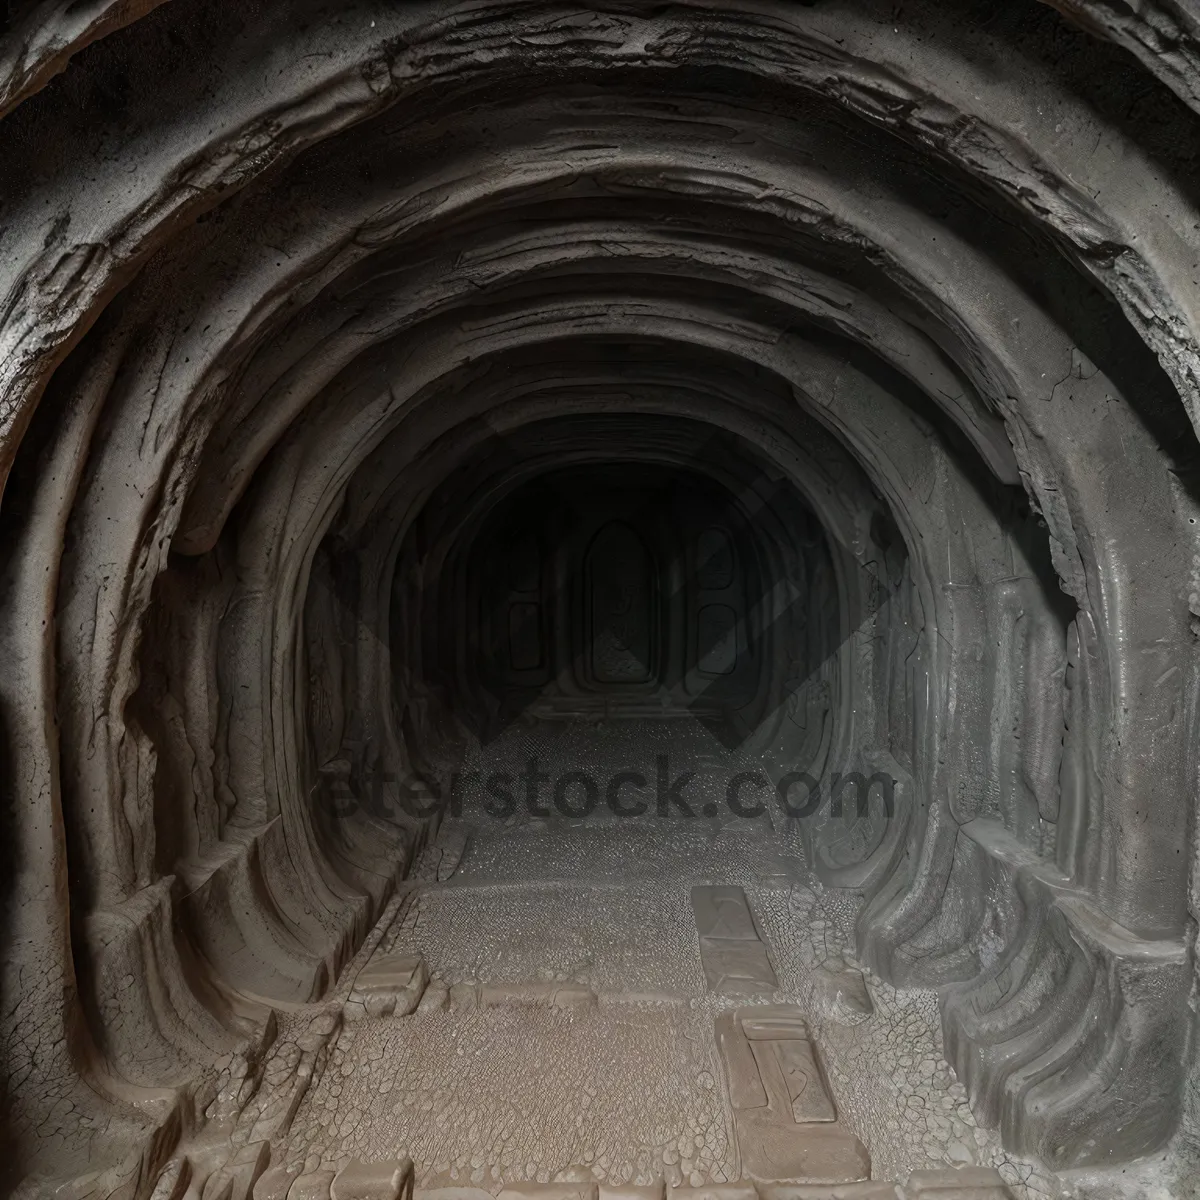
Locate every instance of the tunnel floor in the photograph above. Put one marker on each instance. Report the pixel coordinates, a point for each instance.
(596, 988)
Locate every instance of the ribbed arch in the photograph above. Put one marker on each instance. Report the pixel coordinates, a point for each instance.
(292, 300)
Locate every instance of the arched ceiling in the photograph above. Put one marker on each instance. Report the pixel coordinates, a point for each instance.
(263, 266)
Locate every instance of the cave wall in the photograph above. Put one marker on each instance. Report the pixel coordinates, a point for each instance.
(273, 276)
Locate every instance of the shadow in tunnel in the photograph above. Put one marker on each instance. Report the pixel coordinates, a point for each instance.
(664, 595)
(11, 1167)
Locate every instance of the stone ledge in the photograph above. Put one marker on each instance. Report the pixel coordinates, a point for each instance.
(550, 1191)
(388, 1180)
(391, 985)
(963, 1183)
(1040, 1033)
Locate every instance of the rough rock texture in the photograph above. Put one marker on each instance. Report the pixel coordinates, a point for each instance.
(389, 388)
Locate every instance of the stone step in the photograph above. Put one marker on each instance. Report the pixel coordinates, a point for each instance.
(390, 1179)
(964, 1183)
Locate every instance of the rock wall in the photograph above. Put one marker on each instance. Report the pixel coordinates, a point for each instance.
(272, 275)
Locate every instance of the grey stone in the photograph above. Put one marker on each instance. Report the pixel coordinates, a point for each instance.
(385, 1180)
(963, 1183)
(386, 390)
(275, 1183)
(737, 967)
(723, 912)
(716, 1191)
(390, 985)
(628, 1191)
(312, 1185)
(550, 1191)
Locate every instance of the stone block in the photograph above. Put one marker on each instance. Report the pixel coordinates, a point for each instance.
(629, 1191)
(551, 1191)
(778, 1152)
(389, 985)
(275, 1183)
(389, 1180)
(312, 1185)
(714, 1191)
(723, 912)
(736, 967)
(963, 1183)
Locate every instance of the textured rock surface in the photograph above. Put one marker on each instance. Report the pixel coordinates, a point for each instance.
(397, 397)
(637, 1088)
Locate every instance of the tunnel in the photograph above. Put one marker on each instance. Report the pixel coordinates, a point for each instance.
(559, 578)
(600, 601)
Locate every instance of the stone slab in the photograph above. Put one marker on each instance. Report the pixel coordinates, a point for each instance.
(963, 1183)
(550, 1191)
(773, 1022)
(737, 968)
(387, 1180)
(313, 1185)
(791, 1076)
(275, 1183)
(389, 985)
(629, 1191)
(741, 1071)
(783, 1153)
(723, 912)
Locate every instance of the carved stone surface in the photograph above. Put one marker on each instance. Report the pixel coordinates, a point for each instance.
(313, 1185)
(275, 1183)
(736, 962)
(722, 912)
(389, 985)
(965, 1184)
(783, 1113)
(385, 1180)
(780, 415)
(551, 1191)
(610, 1191)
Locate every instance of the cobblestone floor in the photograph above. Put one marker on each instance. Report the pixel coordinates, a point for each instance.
(520, 1094)
(631, 1090)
